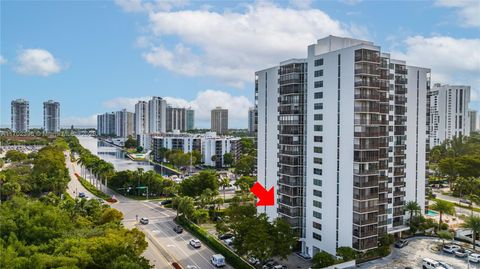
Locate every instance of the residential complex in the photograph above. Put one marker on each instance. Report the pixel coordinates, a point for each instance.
(176, 119)
(157, 115)
(342, 136)
(20, 115)
(51, 116)
(141, 117)
(448, 112)
(124, 123)
(472, 114)
(106, 124)
(208, 144)
(219, 120)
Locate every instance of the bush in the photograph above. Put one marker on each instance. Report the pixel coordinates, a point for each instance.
(322, 259)
(214, 244)
(443, 226)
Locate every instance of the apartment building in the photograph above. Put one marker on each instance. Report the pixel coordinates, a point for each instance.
(141, 117)
(337, 134)
(219, 120)
(106, 124)
(448, 112)
(208, 144)
(124, 123)
(251, 120)
(190, 114)
(472, 114)
(20, 115)
(157, 115)
(51, 116)
(176, 119)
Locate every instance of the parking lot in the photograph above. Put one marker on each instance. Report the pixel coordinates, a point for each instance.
(412, 255)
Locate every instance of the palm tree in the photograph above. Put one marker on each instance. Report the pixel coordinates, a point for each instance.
(413, 208)
(443, 207)
(224, 182)
(472, 223)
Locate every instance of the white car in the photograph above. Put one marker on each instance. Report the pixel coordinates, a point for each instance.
(431, 264)
(195, 243)
(218, 260)
(229, 241)
(445, 265)
(474, 257)
(462, 253)
(451, 248)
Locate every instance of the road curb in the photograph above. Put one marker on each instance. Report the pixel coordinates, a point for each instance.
(162, 251)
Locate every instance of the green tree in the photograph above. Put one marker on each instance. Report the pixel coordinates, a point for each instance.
(444, 235)
(200, 215)
(228, 159)
(186, 206)
(245, 165)
(130, 142)
(473, 223)
(224, 183)
(443, 207)
(347, 253)
(15, 156)
(245, 183)
(322, 259)
(413, 208)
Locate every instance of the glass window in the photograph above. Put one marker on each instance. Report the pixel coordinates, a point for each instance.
(318, 138)
(318, 106)
(317, 182)
(318, 84)
(317, 215)
(318, 95)
(318, 117)
(317, 171)
(318, 73)
(317, 160)
(318, 128)
(317, 225)
(317, 204)
(317, 149)
(317, 193)
(317, 236)
(318, 62)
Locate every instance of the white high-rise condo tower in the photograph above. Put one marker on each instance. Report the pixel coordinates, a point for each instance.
(157, 115)
(342, 136)
(20, 115)
(448, 112)
(141, 117)
(124, 123)
(473, 121)
(51, 116)
(219, 120)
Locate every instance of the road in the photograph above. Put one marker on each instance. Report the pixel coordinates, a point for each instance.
(459, 210)
(164, 245)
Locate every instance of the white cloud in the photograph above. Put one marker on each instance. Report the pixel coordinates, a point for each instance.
(301, 4)
(2, 60)
(204, 102)
(37, 62)
(232, 45)
(149, 6)
(453, 61)
(468, 10)
(79, 121)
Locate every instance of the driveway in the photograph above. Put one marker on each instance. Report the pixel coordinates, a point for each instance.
(412, 255)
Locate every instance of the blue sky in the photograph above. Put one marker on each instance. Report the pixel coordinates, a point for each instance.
(98, 56)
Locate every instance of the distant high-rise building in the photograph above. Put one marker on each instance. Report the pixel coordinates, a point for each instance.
(448, 112)
(141, 117)
(20, 115)
(124, 123)
(251, 120)
(219, 120)
(190, 119)
(473, 121)
(51, 116)
(106, 124)
(176, 119)
(342, 135)
(157, 115)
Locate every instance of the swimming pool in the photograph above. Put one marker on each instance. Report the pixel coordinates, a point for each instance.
(432, 213)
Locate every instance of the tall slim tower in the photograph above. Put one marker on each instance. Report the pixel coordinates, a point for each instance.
(473, 121)
(51, 116)
(20, 115)
(141, 117)
(219, 120)
(251, 120)
(176, 119)
(124, 123)
(190, 114)
(157, 115)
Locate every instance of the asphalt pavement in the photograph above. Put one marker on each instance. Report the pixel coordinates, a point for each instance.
(164, 245)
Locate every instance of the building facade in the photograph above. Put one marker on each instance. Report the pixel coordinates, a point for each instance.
(448, 112)
(51, 116)
(219, 120)
(106, 124)
(124, 123)
(251, 120)
(473, 121)
(20, 115)
(141, 117)
(190, 114)
(334, 139)
(176, 119)
(157, 115)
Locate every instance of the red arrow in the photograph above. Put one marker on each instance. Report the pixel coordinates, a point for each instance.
(266, 198)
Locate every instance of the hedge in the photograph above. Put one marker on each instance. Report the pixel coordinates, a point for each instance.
(92, 188)
(232, 258)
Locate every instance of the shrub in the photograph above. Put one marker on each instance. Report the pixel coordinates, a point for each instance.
(323, 259)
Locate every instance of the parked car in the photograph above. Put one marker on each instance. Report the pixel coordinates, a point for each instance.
(81, 195)
(279, 266)
(428, 263)
(445, 265)
(269, 264)
(451, 248)
(401, 243)
(474, 257)
(144, 220)
(225, 236)
(462, 253)
(178, 229)
(195, 243)
(229, 241)
(218, 260)
(465, 201)
(253, 261)
(165, 202)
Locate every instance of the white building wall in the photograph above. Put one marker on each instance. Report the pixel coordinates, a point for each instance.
(415, 162)
(267, 140)
(157, 110)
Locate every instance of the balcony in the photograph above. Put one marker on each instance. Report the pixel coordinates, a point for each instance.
(367, 83)
(399, 183)
(399, 203)
(401, 81)
(367, 72)
(401, 71)
(360, 209)
(367, 96)
(398, 193)
(367, 221)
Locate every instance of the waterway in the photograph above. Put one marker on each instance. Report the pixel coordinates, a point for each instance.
(116, 156)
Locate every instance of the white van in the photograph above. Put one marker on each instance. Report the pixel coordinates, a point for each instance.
(218, 260)
(431, 264)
